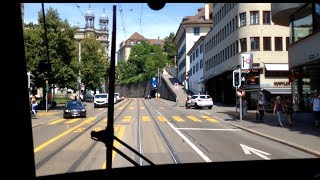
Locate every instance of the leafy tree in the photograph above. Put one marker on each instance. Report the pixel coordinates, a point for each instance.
(94, 63)
(170, 48)
(61, 47)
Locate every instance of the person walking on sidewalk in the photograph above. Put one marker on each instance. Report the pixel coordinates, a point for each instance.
(261, 106)
(289, 109)
(315, 104)
(244, 107)
(278, 108)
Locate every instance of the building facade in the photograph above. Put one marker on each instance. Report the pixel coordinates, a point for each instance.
(303, 20)
(246, 28)
(195, 78)
(190, 30)
(135, 38)
(101, 33)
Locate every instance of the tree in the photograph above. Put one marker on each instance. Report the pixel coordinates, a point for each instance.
(61, 47)
(143, 63)
(94, 63)
(170, 48)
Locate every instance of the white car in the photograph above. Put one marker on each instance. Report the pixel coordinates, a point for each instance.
(100, 100)
(200, 101)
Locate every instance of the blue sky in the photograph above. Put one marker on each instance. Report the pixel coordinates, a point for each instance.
(153, 24)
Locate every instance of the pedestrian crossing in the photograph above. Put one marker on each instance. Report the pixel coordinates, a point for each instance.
(147, 118)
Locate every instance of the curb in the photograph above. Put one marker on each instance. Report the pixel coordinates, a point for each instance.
(293, 145)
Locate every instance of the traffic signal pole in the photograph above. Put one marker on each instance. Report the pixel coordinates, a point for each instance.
(240, 97)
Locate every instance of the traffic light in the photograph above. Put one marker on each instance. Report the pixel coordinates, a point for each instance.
(235, 80)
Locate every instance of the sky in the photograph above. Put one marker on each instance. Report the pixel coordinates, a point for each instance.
(131, 17)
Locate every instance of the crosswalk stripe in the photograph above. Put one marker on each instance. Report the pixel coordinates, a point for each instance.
(194, 119)
(211, 119)
(72, 121)
(146, 118)
(162, 118)
(56, 121)
(177, 118)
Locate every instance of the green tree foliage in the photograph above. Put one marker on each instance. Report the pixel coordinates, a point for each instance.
(61, 46)
(170, 48)
(94, 63)
(143, 63)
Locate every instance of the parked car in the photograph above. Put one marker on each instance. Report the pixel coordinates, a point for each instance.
(74, 109)
(200, 101)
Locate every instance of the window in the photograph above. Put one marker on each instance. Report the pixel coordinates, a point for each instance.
(267, 43)
(243, 45)
(196, 30)
(278, 44)
(287, 43)
(242, 19)
(255, 43)
(254, 17)
(197, 52)
(266, 17)
(201, 48)
(131, 42)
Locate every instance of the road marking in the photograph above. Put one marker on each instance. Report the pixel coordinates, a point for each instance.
(194, 119)
(72, 121)
(209, 129)
(162, 118)
(161, 107)
(46, 113)
(248, 150)
(177, 118)
(141, 107)
(131, 107)
(194, 147)
(127, 118)
(45, 144)
(211, 119)
(146, 118)
(116, 144)
(56, 121)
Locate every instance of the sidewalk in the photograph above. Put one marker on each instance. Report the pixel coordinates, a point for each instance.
(303, 135)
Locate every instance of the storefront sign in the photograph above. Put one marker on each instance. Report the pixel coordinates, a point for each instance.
(281, 83)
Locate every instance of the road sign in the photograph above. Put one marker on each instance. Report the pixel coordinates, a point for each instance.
(246, 60)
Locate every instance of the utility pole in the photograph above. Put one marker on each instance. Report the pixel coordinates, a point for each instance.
(79, 78)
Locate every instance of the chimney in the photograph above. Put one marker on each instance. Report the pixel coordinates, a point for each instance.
(206, 11)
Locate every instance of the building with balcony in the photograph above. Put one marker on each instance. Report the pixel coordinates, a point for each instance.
(303, 20)
(246, 28)
(190, 30)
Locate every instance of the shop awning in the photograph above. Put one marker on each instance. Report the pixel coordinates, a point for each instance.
(278, 90)
(277, 67)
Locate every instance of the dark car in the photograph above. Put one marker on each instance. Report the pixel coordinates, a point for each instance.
(74, 109)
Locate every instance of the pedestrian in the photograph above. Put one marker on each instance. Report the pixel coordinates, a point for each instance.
(278, 109)
(33, 108)
(289, 110)
(188, 101)
(244, 107)
(315, 104)
(260, 107)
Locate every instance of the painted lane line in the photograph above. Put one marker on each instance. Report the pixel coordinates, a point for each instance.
(208, 129)
(201, 154)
